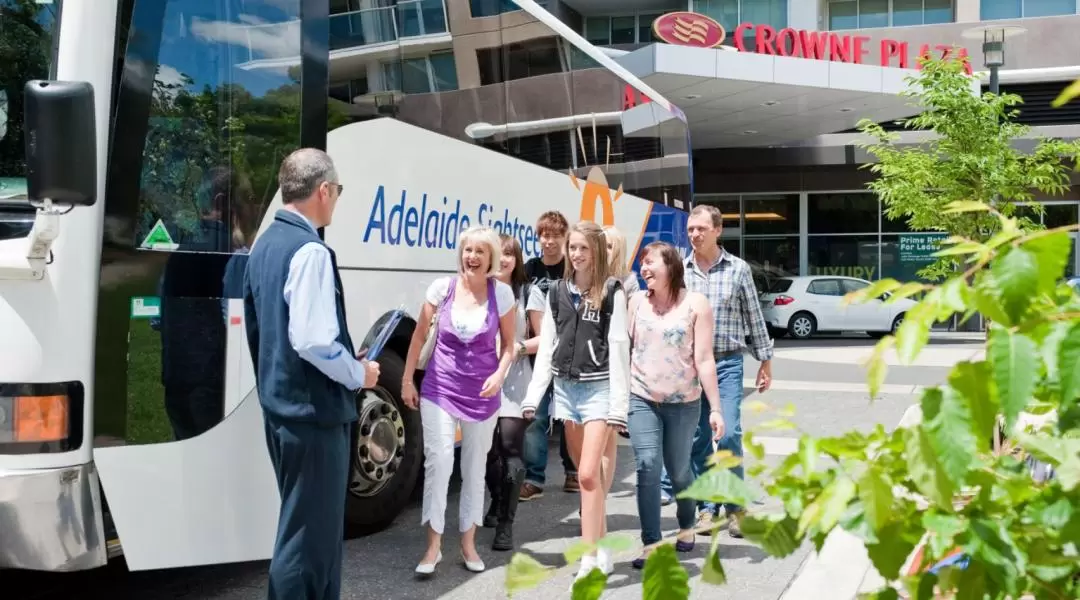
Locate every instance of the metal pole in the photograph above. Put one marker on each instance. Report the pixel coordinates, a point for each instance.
(994, 79)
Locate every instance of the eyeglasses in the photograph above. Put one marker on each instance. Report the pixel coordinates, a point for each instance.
(340, 188)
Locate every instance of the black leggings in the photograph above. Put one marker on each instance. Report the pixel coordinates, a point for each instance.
(508, 446)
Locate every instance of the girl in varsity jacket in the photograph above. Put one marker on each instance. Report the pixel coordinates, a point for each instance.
(585, 347)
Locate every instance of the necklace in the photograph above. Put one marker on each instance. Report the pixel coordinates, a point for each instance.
(661, 307)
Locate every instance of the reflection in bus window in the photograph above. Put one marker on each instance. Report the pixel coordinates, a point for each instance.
(207, 133)
(27, 36)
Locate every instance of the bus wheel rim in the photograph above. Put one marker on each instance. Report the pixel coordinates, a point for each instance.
(380, 444)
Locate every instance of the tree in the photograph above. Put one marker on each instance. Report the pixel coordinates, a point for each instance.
(971, 156)
(967, 479)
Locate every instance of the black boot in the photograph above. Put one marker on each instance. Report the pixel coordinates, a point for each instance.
(493, 478)
(511, 492)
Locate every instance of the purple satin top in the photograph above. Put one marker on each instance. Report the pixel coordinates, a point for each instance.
(458, 368)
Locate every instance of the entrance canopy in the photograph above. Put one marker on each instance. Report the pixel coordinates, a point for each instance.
(734, 99)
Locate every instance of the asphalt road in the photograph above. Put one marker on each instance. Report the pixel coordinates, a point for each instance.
(821, 377)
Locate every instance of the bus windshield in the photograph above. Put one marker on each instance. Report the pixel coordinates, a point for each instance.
(27, 51)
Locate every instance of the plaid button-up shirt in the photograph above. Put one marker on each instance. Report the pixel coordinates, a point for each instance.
(729, 286)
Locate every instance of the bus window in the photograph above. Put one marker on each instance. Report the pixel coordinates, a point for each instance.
(27, 40)
(197, 140)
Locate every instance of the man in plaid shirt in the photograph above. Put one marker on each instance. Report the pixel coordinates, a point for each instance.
(727, 282)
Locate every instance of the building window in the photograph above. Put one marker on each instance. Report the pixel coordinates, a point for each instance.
(842, 213)
(862, 14)
(490, 8)
(844, 255)
(771, 215)
(730, 13)
(532, 58)
(1014, 9)
(423, 75)
(626, 29)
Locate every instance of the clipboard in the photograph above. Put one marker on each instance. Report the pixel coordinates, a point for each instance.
(384, 334)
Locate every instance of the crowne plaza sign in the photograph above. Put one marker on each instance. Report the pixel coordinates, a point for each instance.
(697, 30)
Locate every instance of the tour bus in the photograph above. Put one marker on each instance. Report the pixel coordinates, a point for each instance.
(140, 146)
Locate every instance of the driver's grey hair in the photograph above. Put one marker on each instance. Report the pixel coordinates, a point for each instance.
(302, 172)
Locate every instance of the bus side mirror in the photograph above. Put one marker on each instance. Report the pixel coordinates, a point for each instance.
(61, 145)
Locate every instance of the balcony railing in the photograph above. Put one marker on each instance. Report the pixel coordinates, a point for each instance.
(408, 19)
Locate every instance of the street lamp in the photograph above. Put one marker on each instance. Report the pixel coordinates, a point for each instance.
(993, 47)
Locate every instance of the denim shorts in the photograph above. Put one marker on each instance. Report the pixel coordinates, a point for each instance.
(581, 401)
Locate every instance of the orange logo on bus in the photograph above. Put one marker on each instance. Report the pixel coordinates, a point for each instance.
(689, 29)
(596, 190)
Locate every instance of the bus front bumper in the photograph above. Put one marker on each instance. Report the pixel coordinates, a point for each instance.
(50, 519)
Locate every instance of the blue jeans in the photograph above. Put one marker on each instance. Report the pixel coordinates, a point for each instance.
(729, 374)
(662, 435)
(536, 445)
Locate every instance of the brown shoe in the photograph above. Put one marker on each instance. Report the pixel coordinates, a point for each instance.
(734, 528)
(570, 486)
(530, 492)
(705, 522)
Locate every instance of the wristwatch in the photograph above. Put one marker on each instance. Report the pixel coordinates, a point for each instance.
(521, 347)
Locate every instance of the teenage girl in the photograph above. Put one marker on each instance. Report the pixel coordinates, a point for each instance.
(585, 347)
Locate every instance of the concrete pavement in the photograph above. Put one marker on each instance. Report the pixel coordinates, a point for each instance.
(820, 377)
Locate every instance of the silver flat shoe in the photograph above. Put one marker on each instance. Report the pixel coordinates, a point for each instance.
(429, 568)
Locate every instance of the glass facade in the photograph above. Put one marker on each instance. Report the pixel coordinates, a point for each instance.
(622, 29)
(730, 13)
(1015, 9)
(840, 233)
(860, 14)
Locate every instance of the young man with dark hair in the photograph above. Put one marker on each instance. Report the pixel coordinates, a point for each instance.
(542, 270)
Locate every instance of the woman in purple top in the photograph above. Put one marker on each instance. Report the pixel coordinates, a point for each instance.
(474, 348)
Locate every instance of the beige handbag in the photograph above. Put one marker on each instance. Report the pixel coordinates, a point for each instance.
(433, 328)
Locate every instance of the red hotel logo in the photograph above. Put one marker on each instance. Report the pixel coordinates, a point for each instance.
(689, 29)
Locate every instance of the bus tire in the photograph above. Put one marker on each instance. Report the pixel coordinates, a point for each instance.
(381, 482)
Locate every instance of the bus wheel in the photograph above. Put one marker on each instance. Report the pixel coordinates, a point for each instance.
(386, 453)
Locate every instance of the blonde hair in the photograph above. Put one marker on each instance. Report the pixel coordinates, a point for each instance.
(487, 236)
(601, 268)
(617, 259)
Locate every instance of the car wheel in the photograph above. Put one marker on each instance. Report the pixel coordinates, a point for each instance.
(896, 322)
(387, 452)
(802, 325)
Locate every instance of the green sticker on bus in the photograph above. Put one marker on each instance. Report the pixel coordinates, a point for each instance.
(159, 238)
(145, 307)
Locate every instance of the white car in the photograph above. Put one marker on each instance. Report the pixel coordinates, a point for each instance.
(803, 306)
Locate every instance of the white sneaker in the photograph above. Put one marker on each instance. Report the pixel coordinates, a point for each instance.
(605, 561)
(588, 563)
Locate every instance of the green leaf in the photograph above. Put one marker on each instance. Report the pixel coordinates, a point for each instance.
(720, 486)
(987, 299)
(808, 454)
(778, 425)
(664, 578)
(911, 337)
(1017, 274)
(823, 513)
(925, 469)
(1014, 360)
(713, 571)
(777, 535)
(973, 382)
(943, 529)
(990, 542)
(577, 550)
(1068, 364)
(851, 445)
(1067, 95)
(589, 587)
(1051, 252)
(525, 573)
(616, 542)
(961, 249)
(965, 206)
(891, 551)
(948, 424)
(724, 459)
(877, 368)
(871, 291)
(877, 497)
(756, 450)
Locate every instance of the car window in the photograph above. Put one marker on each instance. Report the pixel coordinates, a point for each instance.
(852, 285)
(779, 286)
(825, 287)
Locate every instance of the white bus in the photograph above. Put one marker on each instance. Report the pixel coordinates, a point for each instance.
(137, 170)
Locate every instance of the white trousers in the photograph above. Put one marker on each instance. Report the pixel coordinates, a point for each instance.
(439, 428)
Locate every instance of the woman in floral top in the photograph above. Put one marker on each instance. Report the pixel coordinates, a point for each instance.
(671, 366)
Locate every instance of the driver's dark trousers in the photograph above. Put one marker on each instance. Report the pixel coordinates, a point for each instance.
(311, 463)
